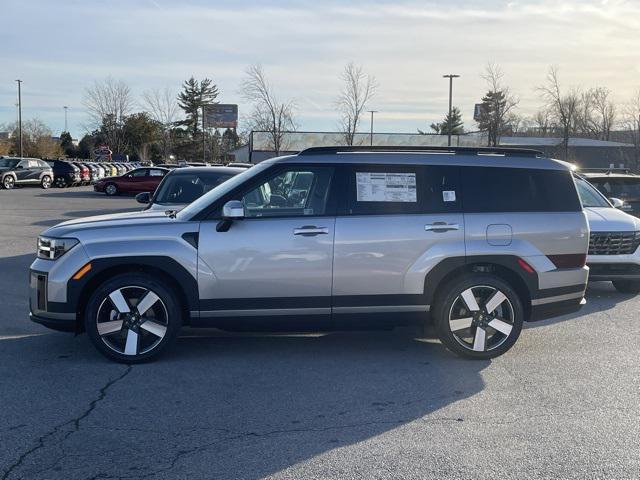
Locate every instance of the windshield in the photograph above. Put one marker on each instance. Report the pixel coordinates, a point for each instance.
(181, 188)
(589, 195)
(206, 200)
(8, 162)
(623, 188)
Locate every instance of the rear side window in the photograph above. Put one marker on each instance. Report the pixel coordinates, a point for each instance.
(402, 189)
(492, 189)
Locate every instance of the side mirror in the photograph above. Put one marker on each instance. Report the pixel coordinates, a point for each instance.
(144, 197)
(233, 210)
(616, 202)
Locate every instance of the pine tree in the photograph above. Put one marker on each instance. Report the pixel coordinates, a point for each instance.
(453, 124)
(193, 96)
(492, 116)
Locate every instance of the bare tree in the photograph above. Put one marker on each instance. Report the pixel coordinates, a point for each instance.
(542, 122)
(497, 105)
(563, 106)
(108, 103)
(358, 89)
(631, 123)
(162, 107)
(36, 140)
(269, 114)
(605, 112)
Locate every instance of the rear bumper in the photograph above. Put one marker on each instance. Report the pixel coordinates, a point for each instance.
(554, 302)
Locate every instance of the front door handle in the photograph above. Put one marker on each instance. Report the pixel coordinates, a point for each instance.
(441, 227)
(310, 231)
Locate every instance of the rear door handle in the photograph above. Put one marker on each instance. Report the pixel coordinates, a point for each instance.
(310, 231)
(441, 227)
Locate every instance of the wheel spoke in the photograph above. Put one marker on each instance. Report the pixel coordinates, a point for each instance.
(470, 300)
(502, 327)
(495, 301)
(105, 328)
(147, 302)
(131, 347)
(119, 302)
(154, 327)
(480, 340)
(460, 323)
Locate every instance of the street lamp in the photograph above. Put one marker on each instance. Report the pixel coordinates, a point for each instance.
(20, 115)
(450, 76)
(65, 118)
(371, 134)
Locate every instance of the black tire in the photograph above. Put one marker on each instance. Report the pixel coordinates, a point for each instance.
(45, 182)
(60, 182)
(627, 286)
(452, 314)
(151, 336)
(8, 182)
(111, 189)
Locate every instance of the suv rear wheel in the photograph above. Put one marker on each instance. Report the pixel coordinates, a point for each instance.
(8, 182)
(627, 286)
(60, 182)
(132, 318)
(478, 316)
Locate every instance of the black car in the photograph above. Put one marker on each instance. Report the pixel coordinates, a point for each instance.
(24, 171)
(65, 174)
(618, 183)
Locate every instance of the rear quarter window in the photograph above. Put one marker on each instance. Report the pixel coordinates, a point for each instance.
(492, 189)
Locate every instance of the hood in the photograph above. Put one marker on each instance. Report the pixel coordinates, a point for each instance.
(608, 219)
(157, 207)
(73, 227)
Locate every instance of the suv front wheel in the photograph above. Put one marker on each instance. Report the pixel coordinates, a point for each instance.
(132, 318)
(478, 316)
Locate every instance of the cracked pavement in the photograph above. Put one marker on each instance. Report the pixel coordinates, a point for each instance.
(562, 404)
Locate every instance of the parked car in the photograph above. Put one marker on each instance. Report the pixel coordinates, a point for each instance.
(182, 186)
(475, 240)
(135, 181)
(85, 173)
(111, 170)
(24, 171)
(617, 183)
(613, 243)
(65, 174)
(94, 172)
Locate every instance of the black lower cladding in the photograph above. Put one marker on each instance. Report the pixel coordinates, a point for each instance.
(614, 271)
(61, 325)
(555, 309)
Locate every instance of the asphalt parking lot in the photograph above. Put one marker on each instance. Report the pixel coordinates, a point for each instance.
(563, 403)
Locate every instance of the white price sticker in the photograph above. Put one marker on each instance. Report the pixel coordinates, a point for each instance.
(449, 196)
(386, 187)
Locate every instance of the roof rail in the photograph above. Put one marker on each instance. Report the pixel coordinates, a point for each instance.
(519, 152)
(606, 170)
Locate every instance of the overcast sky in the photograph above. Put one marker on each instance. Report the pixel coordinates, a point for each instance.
(59, 48)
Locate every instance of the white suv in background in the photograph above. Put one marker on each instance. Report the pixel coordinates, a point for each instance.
(613, 244)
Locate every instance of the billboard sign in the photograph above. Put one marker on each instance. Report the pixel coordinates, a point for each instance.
(478, 111)
(221, 115)
(102, 153)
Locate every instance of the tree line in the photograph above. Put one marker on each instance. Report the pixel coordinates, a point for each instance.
(164, 122)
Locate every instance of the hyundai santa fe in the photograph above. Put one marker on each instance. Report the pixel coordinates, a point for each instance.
(475, 240)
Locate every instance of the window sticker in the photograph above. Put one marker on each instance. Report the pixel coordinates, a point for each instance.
(448, 196)
(386, 187)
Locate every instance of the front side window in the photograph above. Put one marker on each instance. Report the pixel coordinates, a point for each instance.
(154, 172)
(185, 188)
(143, 172)
(624, 188)
(300, 191)
(589, 196)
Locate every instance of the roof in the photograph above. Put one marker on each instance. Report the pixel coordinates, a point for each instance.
(461, 156)
(609, 175)
(221, 169)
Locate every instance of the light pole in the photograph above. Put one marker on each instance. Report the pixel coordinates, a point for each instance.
(20, 116)
(65, 118)
(371, 134)
(204, 139)
(450, 76)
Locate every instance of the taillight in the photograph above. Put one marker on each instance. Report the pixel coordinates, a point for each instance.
(569, 260)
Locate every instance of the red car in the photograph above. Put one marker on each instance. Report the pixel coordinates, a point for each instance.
(139, 180)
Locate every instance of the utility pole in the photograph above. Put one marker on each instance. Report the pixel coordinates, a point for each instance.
(371, 134)
(20, 116)
(65, 118)
(204, 148)
(450, 76)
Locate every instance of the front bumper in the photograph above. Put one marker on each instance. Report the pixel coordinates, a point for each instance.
(52, 315)
(614, 267)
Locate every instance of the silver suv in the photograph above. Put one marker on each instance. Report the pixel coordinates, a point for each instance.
(475, 240)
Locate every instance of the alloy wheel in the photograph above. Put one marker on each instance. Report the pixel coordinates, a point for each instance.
(46, 182)
(110, 189)
(8, 182)
(132, 320)
(481, 318)
(60, 182)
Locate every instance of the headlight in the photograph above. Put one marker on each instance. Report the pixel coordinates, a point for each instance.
(54, 248)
